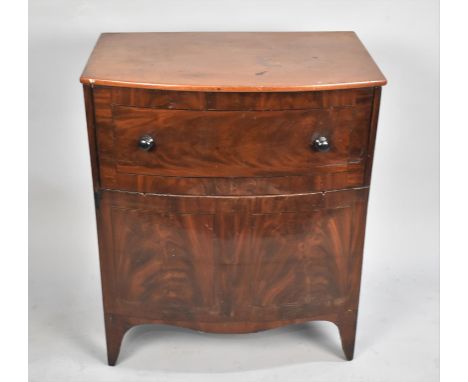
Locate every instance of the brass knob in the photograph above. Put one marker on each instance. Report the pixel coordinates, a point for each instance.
(146, 142)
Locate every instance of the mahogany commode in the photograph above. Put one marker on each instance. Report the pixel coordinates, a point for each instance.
(231, 174)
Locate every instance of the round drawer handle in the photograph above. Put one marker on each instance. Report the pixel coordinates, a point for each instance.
(321, 144)
(146, 142)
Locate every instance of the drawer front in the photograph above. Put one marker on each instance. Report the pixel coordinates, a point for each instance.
(233, 143)
(238, 144)
(233, 259)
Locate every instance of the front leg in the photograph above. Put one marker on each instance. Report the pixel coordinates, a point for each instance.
(116, 327)
(347, 324)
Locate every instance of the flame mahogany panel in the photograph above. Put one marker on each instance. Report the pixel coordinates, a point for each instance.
(233, 260)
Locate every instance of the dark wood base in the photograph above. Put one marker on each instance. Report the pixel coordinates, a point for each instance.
(347, 327)
(117, 326)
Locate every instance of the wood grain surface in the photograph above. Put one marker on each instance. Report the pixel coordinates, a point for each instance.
(106, 96)
(237, 144)
(232, 61)
(233, 264)
(205, 146)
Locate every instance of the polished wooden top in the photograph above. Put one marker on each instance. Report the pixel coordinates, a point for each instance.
(232, 61)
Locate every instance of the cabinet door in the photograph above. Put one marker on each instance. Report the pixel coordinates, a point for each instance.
(163, 260)
(235, 259)
(286, 264)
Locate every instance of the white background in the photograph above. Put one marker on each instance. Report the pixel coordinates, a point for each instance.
(398, 325)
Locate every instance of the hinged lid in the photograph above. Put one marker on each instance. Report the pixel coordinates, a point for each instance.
(232, 61)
